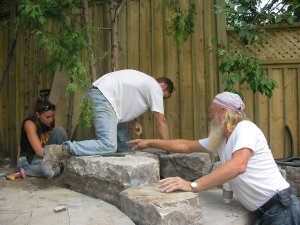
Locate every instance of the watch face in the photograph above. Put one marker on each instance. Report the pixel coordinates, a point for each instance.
(194, 184)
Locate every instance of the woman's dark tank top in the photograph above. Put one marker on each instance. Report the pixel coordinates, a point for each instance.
(43, 133)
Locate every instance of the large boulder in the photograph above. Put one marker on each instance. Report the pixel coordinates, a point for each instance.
(147, 205)
(106, 177)
(293, 177)
(189, 166)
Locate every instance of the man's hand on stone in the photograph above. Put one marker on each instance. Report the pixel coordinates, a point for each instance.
(171, 184)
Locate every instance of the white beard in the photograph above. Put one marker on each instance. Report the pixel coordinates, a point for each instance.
(216, 136)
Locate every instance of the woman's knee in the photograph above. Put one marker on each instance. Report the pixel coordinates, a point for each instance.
(58, 135)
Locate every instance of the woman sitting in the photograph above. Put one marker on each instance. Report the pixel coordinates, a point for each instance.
(37, 131)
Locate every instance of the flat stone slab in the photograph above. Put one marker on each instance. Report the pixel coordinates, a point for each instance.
(147, 205)
(106, 177)
(19, 205)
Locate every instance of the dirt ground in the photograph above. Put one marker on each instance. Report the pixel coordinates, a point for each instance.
(6, 168)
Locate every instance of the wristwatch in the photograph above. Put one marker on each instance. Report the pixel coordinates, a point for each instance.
(194, 186)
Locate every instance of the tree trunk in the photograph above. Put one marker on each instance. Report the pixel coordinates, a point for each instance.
(1, 147)
(37, 75)
(13, 145)
(70, 115)
(115, 10)
(26, 74)
(71, 104)
(89, 39)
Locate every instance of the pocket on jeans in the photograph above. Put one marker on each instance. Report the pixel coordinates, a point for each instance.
(276, 215)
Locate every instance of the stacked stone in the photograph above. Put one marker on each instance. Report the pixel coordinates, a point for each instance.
(130, 183)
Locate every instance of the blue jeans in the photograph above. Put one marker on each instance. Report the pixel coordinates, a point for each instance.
(282, 215)
(110, 134)
(35, 168)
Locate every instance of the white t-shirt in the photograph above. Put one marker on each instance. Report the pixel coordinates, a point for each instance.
(262, 178)
(131, 93)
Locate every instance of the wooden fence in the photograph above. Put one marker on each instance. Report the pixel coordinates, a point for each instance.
(144, 45)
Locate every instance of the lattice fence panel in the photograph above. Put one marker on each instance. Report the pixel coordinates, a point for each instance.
(278, 44)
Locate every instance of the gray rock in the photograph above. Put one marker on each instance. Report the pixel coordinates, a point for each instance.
(146, 205)
(189, 166)
(145, 154)
(293, 177)
(155, 151)
(106, 177)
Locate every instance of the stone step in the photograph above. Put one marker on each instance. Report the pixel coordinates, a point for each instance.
(146, 205)
(130, 183)
(106, 177)
(189, 166)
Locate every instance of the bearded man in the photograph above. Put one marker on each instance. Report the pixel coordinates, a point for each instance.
(247, 163)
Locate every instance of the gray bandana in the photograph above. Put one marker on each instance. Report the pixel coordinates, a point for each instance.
(230, 101)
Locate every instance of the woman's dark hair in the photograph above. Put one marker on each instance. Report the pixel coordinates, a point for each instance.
(43, 105)
(168, 82)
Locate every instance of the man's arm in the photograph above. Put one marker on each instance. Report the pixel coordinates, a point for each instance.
(234, 167)
(162, 125)
(176, 145)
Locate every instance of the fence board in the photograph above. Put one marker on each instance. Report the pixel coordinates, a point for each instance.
(122, 20)
(171, 71)
(291, 112)
(145, 57)
(157, 52)
(297, 137)
(277, 118)
(211, 60)
(262, 113)
(132, 37)
(198, 75)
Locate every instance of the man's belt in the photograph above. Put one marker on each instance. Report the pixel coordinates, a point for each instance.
(269, 204)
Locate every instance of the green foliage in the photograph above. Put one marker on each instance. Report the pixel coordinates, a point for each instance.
(54, 24)
(60, 34)
(87, 112)
(181, 24)
(240, 68)
(249, 17)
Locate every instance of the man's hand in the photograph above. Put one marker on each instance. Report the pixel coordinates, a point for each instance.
(137, 127)
(171, 184)
(138, 144)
